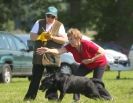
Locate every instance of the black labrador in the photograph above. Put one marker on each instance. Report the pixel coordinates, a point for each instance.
(65, 83)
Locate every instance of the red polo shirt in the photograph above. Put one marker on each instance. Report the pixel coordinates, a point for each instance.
(88, 51)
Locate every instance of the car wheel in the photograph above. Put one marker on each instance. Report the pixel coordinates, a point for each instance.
(66, 68)
(6, 74)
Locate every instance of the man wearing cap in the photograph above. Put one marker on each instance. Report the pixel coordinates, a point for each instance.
(58, 37)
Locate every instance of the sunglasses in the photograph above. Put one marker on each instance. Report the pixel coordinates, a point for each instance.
(50, 16)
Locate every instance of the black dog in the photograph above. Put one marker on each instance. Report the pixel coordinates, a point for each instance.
(92, 88)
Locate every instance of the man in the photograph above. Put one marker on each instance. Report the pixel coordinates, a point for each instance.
(51, 25)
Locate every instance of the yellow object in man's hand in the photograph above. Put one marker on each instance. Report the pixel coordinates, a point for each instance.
(44, 36)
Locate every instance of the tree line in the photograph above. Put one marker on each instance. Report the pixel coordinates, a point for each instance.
(112, 19)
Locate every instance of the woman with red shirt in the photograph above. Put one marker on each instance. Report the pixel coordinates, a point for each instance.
(90, 56)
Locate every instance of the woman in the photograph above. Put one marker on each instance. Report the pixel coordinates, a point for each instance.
(90, 56)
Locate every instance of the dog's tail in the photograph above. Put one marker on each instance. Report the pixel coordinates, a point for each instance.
(98, 81)
(101, 88)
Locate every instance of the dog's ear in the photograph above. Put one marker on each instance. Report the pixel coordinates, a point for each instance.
(58, 76)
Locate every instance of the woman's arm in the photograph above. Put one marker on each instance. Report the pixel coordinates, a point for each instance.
(99, 53)
(43, 50)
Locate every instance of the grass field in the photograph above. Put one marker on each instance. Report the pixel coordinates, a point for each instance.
(121, 90)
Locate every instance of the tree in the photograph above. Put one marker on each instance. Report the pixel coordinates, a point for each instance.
(110, 18)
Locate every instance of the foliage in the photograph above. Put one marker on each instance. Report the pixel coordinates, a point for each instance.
(121, 90)
(110, 18)
(115, 19)
(23, 12)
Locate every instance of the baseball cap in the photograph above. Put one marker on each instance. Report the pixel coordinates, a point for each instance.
(52, 10)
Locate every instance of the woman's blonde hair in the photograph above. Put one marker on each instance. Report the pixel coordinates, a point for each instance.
(74, 32)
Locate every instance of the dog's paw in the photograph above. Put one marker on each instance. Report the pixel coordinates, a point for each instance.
(76, 101)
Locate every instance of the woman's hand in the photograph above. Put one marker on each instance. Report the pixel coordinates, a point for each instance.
(87, 61)
(42, 50)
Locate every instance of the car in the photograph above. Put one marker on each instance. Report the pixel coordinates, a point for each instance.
(117, 56)
(113, 55)
(120, 65)
(15, 58)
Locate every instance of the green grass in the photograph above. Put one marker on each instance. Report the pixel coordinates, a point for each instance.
(121, 90)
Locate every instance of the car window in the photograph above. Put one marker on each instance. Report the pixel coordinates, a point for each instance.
(19, 44)
(3, 42)
(11, 42)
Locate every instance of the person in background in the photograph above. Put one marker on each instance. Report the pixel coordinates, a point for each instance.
(51, 25)
(90, 56)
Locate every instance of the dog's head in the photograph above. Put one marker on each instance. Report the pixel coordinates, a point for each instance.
(51, 81)
(47, 83)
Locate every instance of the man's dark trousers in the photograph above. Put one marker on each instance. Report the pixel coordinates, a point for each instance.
(37, 72)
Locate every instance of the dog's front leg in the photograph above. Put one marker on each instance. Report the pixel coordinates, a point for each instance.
(62, 94)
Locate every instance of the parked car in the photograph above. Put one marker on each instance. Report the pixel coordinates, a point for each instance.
(122, 66)
(117, 56)
(114, 53)
(15, 58)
